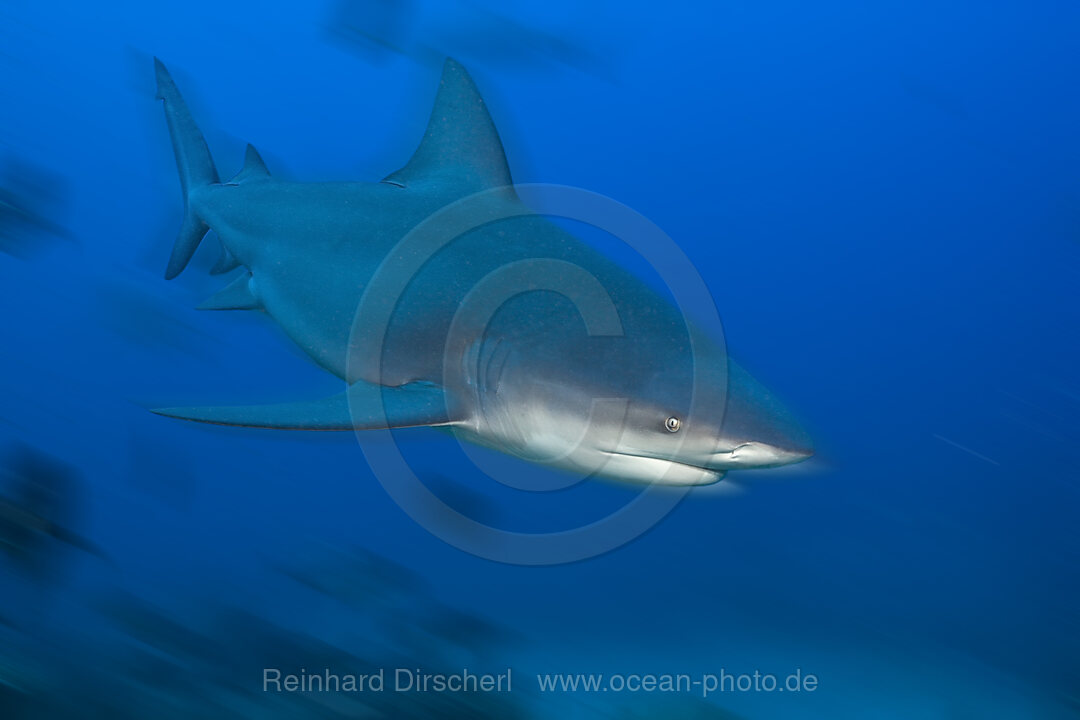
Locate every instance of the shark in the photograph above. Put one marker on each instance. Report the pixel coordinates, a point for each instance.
(512, 334)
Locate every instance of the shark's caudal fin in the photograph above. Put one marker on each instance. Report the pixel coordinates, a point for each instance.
(192, 160)
(461, 144)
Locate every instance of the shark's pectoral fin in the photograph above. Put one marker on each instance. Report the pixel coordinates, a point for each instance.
(237, 295)
(363, 406)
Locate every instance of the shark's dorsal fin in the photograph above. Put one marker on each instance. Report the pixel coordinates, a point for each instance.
(254, 167)
(237, 295)
(461, 144)
(364, 406)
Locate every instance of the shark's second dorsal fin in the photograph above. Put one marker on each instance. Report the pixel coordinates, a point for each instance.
(254, 167)
(461, 144)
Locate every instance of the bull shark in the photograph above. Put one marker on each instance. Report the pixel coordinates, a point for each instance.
(646, 396)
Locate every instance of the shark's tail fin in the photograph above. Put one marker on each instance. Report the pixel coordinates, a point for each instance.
(194, 163)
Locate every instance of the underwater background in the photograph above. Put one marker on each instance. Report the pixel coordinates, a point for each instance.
(883, 199)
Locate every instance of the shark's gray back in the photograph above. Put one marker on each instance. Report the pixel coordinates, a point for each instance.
(312, 280)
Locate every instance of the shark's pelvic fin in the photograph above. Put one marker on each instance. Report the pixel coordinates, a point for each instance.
(237, 295)
(461, 143)
(254, 167)
(363, 406)
(192, 160)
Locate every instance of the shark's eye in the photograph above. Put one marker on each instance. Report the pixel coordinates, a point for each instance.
(672, 424)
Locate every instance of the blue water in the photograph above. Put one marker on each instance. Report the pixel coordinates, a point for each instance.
(882, 199)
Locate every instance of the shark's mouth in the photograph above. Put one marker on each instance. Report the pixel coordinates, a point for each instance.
(710, 469)
(661, 471)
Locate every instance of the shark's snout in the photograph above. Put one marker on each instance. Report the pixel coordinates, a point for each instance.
(758, 431)
(751, 455)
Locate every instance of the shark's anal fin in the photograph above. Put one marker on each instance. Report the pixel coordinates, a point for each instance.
(237, 295)
(226, 262)
(364, 406)
(461, 144)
